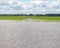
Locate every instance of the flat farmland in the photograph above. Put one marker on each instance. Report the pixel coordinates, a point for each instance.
(44, 18)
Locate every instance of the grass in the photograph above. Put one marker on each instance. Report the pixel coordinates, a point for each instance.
(49, 18)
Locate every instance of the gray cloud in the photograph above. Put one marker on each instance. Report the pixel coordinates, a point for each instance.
(33, 6)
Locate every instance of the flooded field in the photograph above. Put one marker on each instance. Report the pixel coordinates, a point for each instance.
(29, 34)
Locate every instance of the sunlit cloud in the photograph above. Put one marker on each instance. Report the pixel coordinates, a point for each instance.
(29, 6)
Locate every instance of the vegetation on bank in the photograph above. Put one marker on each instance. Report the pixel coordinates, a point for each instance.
(49, 18)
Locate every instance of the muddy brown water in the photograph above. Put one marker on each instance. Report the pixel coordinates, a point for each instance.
(29, 34)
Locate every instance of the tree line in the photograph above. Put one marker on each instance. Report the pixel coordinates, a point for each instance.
(29, 14)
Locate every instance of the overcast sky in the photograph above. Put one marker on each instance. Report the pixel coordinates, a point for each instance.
(29, 6)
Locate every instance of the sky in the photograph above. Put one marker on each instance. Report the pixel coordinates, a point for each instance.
(29, 6)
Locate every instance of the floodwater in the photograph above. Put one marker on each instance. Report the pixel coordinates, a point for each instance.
(29, 34)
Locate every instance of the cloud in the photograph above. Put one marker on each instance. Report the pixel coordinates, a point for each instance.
(29, 6)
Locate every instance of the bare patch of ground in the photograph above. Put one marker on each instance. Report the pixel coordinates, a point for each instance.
(29, 34)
